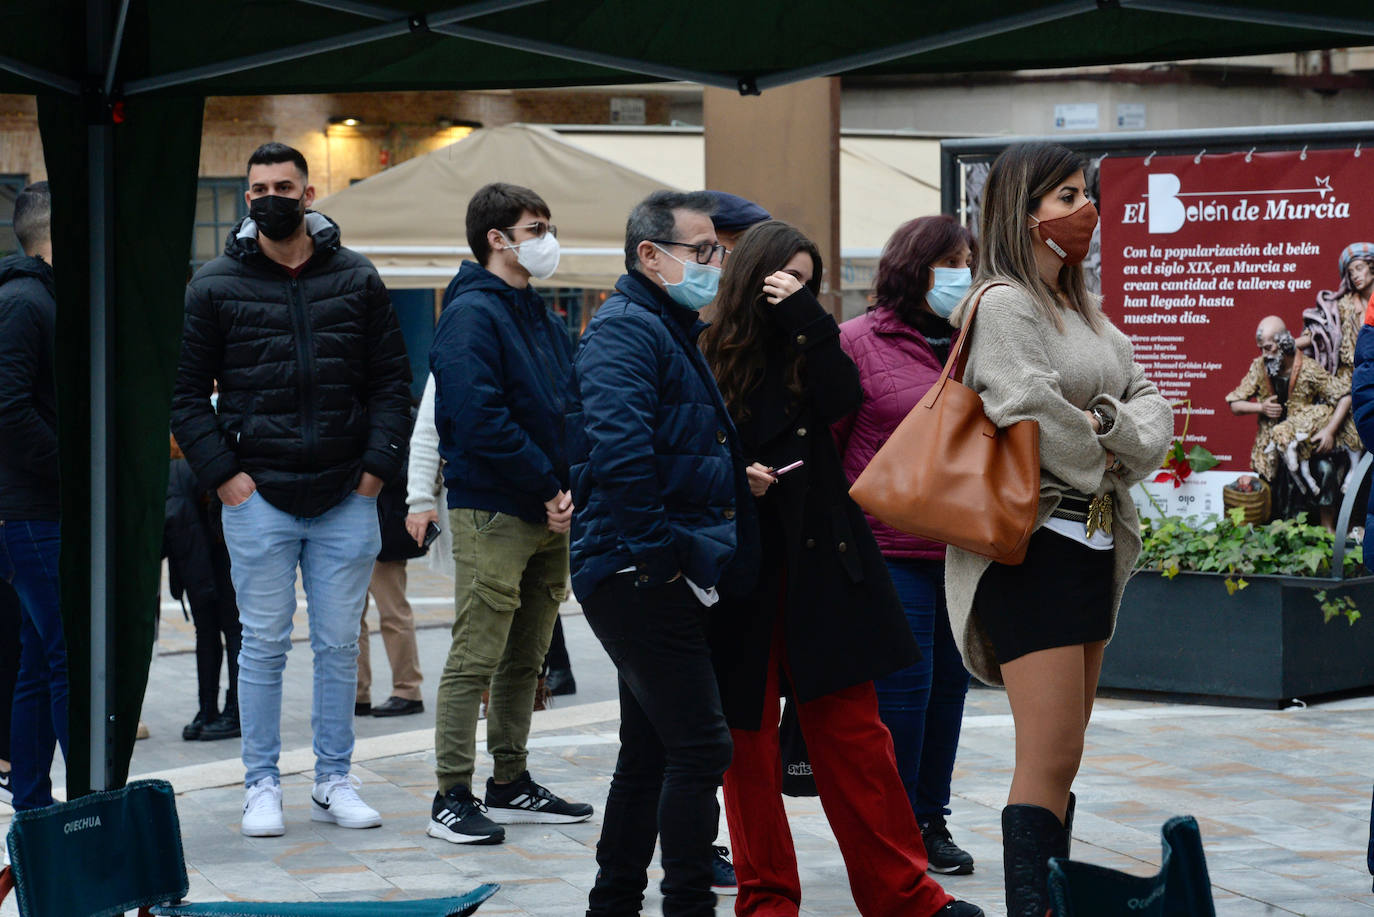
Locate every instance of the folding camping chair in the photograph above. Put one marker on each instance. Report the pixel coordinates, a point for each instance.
(108, 853)
(1181, 888)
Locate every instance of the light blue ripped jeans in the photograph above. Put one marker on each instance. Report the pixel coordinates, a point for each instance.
(335, 552)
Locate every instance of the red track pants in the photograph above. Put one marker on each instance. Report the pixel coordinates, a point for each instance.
(860, 790)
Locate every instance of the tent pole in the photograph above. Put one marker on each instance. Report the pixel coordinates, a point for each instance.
(100, 195)
(115, 46)
(39, 75)
(930, 43)
(548, 49)
(391, 29)
(1254, 15)
(99, 138)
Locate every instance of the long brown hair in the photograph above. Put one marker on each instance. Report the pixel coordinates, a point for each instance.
(736, 343)
(1022, 175)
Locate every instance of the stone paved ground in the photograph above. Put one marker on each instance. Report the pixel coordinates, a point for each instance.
(1283, 799)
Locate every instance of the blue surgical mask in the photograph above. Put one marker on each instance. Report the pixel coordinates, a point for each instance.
(698, 285)
(951, 283)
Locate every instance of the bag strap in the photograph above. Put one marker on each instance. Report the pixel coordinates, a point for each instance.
(958, 355)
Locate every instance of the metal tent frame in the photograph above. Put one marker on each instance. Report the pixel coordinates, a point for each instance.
(98, 85)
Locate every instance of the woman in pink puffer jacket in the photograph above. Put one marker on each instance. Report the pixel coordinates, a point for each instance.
(900, 346)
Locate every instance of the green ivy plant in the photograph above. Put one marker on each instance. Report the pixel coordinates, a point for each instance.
(1231, 546)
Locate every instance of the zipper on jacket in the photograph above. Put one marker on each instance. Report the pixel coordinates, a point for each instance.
(305, 373)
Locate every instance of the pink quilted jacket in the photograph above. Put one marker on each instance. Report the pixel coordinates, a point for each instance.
(897, 367)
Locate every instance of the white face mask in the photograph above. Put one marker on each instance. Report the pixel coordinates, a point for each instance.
(538, 256)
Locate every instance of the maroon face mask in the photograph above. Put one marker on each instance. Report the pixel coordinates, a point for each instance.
(1069, 236)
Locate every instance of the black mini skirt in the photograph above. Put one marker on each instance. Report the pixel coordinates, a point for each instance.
(1061, 595)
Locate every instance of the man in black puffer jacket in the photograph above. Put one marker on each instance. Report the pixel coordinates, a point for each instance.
(314, 414)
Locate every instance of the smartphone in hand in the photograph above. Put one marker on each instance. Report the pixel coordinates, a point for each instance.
(431, 533)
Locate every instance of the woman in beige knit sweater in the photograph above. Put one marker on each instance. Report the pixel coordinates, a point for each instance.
(1041, 349)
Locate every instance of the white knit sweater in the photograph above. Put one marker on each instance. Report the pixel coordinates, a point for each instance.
(425, 486)
(1024, 368)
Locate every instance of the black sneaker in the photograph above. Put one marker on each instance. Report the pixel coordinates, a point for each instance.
(457, 817)
(522, 801)
(6, 794)
(723, 881)
(958, 908)
(944, 856)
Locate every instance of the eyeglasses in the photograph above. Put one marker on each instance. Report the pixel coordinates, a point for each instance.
(704, 252)
(538, 228)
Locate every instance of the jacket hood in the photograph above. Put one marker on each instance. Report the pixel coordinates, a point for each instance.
(16, 266)
(243, 238)
(473, 278)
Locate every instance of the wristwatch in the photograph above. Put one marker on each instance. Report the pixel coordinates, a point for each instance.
(1105, 421)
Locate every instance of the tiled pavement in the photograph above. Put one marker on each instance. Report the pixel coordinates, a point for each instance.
(1283, 799)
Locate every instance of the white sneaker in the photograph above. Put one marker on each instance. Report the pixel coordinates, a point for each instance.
(336, 801)
(262, 810)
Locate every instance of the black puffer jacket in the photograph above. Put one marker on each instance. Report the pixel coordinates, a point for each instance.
(314, 384)
(28, 397)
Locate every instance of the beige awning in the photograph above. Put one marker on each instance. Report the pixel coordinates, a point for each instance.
(409, 219)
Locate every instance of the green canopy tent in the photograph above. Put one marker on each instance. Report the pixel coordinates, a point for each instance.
(121, 86)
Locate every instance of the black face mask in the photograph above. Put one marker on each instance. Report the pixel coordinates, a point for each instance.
(277, 217)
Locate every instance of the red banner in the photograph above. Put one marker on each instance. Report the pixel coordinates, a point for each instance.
(1196, 250)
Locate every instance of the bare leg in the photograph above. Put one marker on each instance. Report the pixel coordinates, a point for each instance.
(1051, 694)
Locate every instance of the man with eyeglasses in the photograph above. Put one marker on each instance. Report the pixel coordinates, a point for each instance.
(663, 518)
(500, 362)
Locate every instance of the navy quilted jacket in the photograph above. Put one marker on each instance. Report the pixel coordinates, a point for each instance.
(500, 361)
(657, 470)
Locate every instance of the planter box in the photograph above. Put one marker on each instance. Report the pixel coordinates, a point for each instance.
(1263, 646)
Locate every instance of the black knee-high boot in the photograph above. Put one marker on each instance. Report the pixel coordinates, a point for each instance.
(1030, 836)
(1068, 825)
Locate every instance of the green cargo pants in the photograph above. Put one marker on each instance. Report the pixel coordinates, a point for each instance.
(511, 577)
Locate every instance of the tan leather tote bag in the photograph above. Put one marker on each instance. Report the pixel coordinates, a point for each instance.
(949, 474)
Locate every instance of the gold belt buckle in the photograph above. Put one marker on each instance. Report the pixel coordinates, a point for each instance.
(1099, 514)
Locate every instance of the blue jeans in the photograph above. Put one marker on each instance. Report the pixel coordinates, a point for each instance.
(335, 552)
(923, 705)
(28, 561)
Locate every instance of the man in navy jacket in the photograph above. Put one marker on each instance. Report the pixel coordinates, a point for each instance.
(500, 362)
(657, 479)
(29, 510)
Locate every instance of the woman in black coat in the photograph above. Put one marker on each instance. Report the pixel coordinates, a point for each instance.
(824, 618)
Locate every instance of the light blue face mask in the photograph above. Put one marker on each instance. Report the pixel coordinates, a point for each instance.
(951, 283)
(698, 285)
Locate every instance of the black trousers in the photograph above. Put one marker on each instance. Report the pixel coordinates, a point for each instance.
(557, 656)
(9, 661)
(674, 749)
(219, 636)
